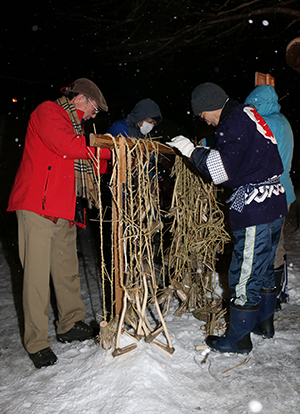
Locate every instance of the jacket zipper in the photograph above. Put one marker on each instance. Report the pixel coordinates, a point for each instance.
(46, 186)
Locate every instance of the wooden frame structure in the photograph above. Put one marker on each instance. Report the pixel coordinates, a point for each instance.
(121, 298)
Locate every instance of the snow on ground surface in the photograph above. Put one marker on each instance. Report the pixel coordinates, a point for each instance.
(87, 379)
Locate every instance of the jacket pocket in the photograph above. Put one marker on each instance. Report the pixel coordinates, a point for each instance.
(46, 187)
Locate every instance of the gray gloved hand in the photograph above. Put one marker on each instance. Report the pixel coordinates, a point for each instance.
(183, 144)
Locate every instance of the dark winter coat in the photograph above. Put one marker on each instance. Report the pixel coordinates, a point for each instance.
(245, 155)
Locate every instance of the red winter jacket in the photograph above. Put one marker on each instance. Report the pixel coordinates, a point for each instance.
(45, 181)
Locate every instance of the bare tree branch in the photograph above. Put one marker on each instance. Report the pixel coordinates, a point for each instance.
(149, 30)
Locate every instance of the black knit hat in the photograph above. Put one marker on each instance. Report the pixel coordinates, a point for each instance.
(208, 97)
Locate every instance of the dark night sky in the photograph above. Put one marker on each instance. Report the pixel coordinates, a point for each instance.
(43, 49)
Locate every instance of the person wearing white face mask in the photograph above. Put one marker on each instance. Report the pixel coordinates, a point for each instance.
(147, 126)
(140, 122)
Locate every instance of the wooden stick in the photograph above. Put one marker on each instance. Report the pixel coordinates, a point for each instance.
(132, 336)
(246, 360)
(105, 141)
(118, 228)
(120, 351)
(146, 324)
(121, 319)
(149, 338)
(143, 310)
(154, 341)
(106, 336)
(125, 350)
(163, 323)
(143, 325)
(164, 347)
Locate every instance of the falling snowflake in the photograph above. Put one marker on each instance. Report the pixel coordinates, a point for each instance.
(255, 406)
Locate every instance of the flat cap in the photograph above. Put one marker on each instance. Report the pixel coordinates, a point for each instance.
(88, 88)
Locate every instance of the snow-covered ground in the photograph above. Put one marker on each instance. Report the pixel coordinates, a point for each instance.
(87, 379)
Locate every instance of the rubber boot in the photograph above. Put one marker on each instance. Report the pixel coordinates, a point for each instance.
(264, 323)
(237, 339)
(284, 293)
(279, 279)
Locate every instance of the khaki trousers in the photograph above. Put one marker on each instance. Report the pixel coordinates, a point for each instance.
(46, 248)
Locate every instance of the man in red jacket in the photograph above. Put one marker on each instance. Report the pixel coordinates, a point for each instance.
(54, 177)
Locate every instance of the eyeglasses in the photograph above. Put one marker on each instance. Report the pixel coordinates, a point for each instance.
(96, 111)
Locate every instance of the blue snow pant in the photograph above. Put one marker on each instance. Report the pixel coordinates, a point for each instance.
(252, 263)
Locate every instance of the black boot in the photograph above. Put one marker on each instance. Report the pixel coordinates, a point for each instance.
(80, 332)
(237, 340)
(281, 282)
(43, 358)
(279, 277)
(284, 294)
(264, 323)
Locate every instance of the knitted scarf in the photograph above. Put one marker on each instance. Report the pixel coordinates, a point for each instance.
(85, 180)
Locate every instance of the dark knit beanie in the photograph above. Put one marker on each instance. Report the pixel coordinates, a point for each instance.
(208, 97)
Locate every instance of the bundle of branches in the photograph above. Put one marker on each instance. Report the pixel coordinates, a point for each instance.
(140, 211)
(198, 236)
(139, 217)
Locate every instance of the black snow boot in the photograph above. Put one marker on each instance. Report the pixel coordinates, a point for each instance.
(43, 358)
(237, 340)
(80, 332)
(264, 323)
(281, 281)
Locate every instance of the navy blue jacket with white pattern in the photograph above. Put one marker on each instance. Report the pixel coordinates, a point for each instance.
(245, 157)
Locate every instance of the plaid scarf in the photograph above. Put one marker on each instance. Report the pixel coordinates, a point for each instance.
(85, 179)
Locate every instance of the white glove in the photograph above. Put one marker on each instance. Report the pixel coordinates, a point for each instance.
(183, 144)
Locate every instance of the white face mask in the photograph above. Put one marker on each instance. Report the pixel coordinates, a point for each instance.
(146, 128)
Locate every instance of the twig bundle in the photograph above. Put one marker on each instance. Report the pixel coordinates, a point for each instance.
(198, 234)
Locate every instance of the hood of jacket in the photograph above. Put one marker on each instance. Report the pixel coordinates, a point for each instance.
(144, 109)
(265, 100)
